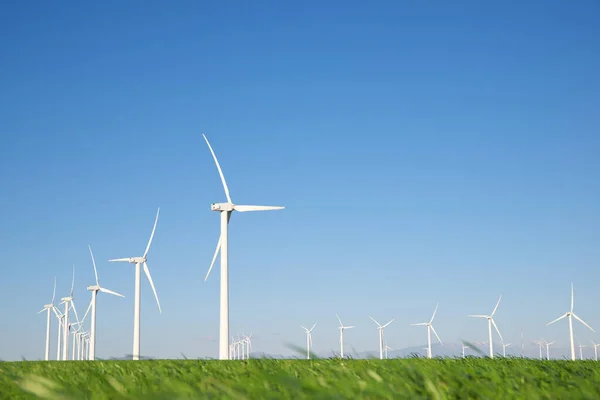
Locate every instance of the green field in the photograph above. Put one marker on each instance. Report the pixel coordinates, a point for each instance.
(470, 378)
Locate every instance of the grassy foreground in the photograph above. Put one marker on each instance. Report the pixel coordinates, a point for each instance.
(471, 378)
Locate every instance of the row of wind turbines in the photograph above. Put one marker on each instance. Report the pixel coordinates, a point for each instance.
(383, 347)
(87, 340)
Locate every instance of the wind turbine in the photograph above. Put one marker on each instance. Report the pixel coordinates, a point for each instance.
(138, 261)
(386, 350)
(380, 329)
(68, 302)
(491, 322)
(341, 328)
(308, 339)
(595, 350)
(547, 344)
(429, 329)
(48, 308)
(570, 314)
(248, 341)
(463, 349)
(225, 209)
(581, 351)
(540, 344)
(95, 289)
(59, 317)
(504, 346)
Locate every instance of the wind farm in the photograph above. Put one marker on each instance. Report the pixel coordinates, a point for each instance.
(303, 200)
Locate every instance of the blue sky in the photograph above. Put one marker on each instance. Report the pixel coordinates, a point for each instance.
(424, 152)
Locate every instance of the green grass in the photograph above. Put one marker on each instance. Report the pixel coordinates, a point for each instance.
(471, 378)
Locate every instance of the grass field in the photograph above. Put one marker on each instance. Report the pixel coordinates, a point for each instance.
(471, 378)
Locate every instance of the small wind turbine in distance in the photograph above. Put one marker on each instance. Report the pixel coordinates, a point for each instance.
(464, 347)
(547, 344)
(581, 346)
(95, 289)
(308, 339)
(138, 261)
(595, 350)
(380, 328)
(341, 328)
(429, 329)
(540, 344)
(504, 346)
(491, 322)
(386, 350)
(48, 308)
(570, 314)
(222, 248)
(69, 303)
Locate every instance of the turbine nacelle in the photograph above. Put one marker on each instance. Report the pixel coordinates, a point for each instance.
(93, 288)
(222, 207)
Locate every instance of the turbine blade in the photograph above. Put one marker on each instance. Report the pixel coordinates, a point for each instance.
(214, 258)
(436, 335)
(304, 328)
(478, 316)
(495, 308)
(72, 281)
(42, 310)
(147, 271)
(119, 259)
(338, 317)
(313, 327)
(434, 311)
(392, 320)
(557, 319)
(572, 296)
(53, 291)
(87, 311)
(349, 327)
(256, 208)
(583, 322)
(108, 291)
(152, 234)
(94, 264)
(58, 315)
(74, 309)
(497, 330)
(375, 321)
(219, 168)
(420, 324)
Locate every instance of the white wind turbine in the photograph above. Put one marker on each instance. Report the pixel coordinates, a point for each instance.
(60, 318)
(463, 349)
(222, 246)
(581, 346)
(308, 339)
(380, 328)
(547, 344)
(540, 344)
(138, 261)
(429, 329)
(595, 350)
(386, 350)
(95, 289)
(504, 346)
(69, 303)
(341, 328)
(48, 308)
(491, 322)
(571, 315)
(248, 342)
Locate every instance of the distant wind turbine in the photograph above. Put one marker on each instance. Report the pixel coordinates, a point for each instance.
(504, 346)
(429, 329)
(48, 308)
(463, 349)
(540, 344)
(490, 319)
(138, 261)
(95, 289)
(380, 328)
(595, 350)
(308, 339)
(570, 314)
(68, 302)
(386, 350)
(581, 346)
(226, 209)
(341, 328)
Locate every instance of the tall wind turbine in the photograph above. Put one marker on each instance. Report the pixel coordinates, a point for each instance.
(429, 329)
(581, 346)
(95, 289)
(504, 346)
(380, 329)
(68, 302)
(341, 328)
(138, 261)
(595, 350)
(491, 322)
(60, 317)
(308, 339)
(48, 308)
(225, 209)
(540, 344)
(547, 344)
(570, 314)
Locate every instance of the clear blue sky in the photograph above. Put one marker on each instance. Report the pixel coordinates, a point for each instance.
(425, 151)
